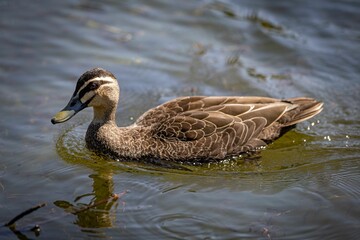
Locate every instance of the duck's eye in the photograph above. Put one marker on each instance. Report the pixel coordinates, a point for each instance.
(93, 85)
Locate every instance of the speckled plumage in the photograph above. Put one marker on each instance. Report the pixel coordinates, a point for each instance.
(195, 128)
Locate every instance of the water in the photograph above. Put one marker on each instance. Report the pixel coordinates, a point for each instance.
(304, 186)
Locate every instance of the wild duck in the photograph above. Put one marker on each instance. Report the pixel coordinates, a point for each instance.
(192, 128)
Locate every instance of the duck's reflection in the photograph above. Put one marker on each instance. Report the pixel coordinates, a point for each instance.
(100, 215)
(94, 210)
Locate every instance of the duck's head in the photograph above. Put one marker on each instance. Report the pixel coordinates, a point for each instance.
(96, 88)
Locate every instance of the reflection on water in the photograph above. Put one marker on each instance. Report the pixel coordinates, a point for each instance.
(303, 186)
(98, 216)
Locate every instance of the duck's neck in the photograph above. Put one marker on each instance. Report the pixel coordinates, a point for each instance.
(104, 115)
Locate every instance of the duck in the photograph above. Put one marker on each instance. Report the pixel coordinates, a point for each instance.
(185, 129)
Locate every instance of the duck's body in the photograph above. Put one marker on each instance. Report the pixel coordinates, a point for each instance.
(188, 129)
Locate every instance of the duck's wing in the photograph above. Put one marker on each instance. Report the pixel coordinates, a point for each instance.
(193, 118)
(223, 126)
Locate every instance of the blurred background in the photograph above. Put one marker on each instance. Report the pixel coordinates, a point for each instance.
(303, 186)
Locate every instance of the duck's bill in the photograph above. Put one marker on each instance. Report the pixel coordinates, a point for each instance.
(63, 116)
(73, 107)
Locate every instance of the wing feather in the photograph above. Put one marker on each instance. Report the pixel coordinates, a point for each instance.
(227, 123)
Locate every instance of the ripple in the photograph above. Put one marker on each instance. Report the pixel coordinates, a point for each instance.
(180, 225)
(346, 181)
(71, 147)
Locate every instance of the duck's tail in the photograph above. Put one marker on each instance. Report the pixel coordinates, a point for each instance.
(304, 108)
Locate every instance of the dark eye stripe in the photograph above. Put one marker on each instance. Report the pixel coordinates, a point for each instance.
(91, 86)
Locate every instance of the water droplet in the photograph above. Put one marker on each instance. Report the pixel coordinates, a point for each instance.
(327, 138)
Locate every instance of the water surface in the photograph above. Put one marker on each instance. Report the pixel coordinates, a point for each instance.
(303, 186)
